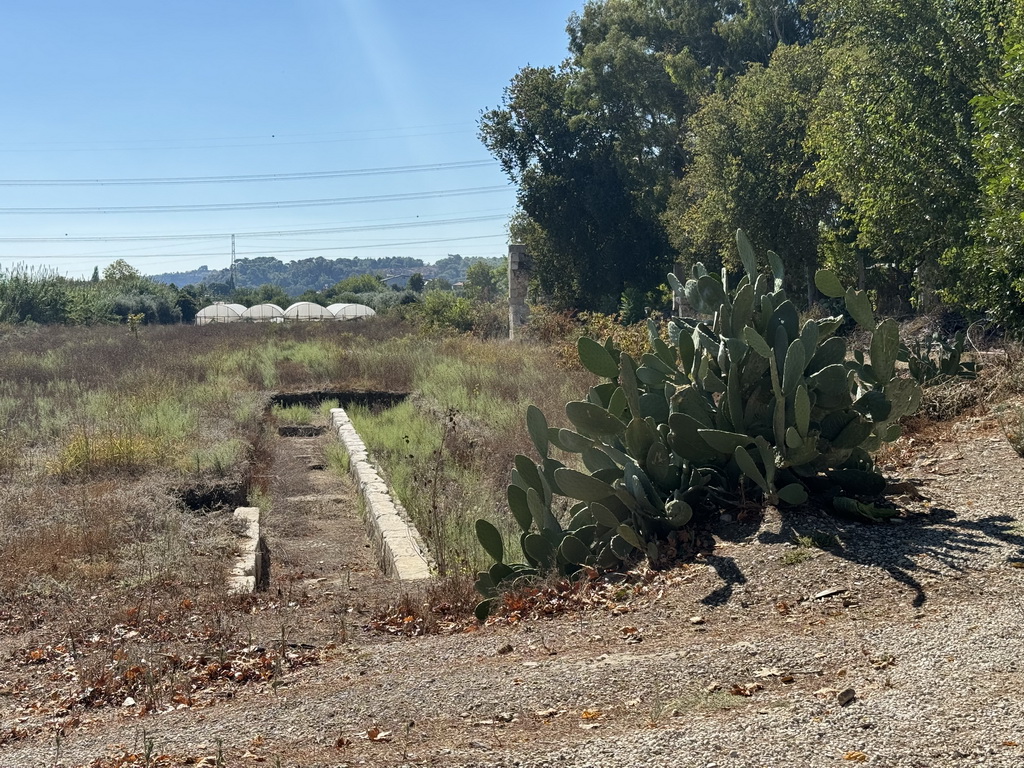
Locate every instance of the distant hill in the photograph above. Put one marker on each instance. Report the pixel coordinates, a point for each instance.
(319, 273)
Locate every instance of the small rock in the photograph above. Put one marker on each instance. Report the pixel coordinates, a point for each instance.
(507, 648)
(845, 696)
(128, 702)
(697, 620)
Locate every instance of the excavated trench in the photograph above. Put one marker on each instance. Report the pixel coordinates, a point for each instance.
(322, 522)
(233, 489)
(375, 401)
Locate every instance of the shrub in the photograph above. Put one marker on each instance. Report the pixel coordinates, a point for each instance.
(33, 295)
(446, 311)
(1011, 419)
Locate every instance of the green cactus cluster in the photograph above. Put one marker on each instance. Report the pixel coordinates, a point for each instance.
(934, 360)
(751, 403)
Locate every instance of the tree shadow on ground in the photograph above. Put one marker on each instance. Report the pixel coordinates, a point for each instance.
(935, 543)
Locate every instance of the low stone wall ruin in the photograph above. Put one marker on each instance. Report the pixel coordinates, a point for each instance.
(399, 547)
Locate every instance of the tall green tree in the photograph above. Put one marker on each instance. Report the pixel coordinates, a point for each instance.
(992, 268)
(589, 235)
(595, 144)
(120, 271)
(895, 134)
(365, 283)
(484, 282)
(750, 169)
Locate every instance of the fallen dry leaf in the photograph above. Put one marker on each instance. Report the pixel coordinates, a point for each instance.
(749, 689)
(855, 756)
(590, 714)
(376, 734)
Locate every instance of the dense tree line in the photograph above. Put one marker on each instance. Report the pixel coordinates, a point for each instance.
(883, 139)
(31, 295)
(317, 274)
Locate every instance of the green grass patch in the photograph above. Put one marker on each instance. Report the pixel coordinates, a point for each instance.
(443, 492)
(797, 556)
(808, 546)
(337, 458)
(216, 458)
(293, 414)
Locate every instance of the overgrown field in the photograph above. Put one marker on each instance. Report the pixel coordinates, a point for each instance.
(115, 447)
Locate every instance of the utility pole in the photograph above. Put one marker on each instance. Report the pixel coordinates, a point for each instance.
(232, 262)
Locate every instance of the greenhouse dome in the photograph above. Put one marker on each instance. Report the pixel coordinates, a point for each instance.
(220, 312)
(264, 313)
(307, 310)
(350, 311)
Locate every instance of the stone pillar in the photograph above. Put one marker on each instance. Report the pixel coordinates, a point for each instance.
(519, 266)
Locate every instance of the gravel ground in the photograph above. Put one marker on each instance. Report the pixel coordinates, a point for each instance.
(803, 641)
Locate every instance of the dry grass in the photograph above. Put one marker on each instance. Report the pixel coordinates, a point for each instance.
(110, 438)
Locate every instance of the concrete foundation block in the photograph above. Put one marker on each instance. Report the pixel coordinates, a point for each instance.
(252, 569)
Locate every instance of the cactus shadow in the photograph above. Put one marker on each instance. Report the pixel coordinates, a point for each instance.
(729, 572)
(725, 567)
(933, 544)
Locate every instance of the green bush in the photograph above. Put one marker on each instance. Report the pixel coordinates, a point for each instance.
(33, 295)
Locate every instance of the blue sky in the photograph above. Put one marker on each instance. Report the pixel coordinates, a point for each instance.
(166, 90)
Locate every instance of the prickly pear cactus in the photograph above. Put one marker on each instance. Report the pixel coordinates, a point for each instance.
(750, 402)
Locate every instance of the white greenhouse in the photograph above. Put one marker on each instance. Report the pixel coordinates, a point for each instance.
(307, 310)
(350, 311)
(220, 312)
(264, 313)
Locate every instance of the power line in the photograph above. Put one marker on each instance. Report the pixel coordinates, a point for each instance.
(364, 135)
(264, 233)
(240, 178)
(167, 256)
(261, 205)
